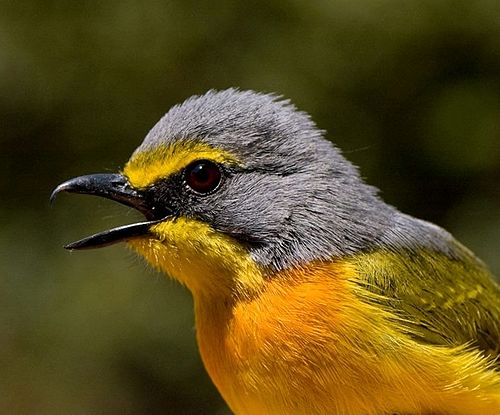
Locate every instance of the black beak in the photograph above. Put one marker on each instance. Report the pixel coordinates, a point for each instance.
(115, 187)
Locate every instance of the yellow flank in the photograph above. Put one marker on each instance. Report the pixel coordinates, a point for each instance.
(207, 262)
(145, 168)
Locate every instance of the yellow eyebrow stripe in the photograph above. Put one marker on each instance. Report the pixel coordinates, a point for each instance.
(145, 168)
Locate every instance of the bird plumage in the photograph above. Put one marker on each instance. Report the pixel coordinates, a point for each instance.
(311, 294)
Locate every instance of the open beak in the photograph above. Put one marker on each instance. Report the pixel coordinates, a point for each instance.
(115, 187)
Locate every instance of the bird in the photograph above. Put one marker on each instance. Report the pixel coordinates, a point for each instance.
(311, 294)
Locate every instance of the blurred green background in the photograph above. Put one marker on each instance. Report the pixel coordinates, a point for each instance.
(409, 90)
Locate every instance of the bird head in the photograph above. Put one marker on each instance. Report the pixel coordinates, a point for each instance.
(234, 186)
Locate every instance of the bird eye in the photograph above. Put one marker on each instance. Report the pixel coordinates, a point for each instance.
(203, 176)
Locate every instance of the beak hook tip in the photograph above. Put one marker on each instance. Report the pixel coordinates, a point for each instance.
(61, 188)
(53, 196)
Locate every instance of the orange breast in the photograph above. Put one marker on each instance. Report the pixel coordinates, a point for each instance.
(269, 349)
(306, 344)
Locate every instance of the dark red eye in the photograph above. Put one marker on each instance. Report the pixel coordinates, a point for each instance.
(203, 176)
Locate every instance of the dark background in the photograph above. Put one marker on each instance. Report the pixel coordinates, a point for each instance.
(409, 90)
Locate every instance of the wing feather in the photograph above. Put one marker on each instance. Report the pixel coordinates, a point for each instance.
(435, 298)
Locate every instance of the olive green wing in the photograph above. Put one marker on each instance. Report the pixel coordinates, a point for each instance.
(435, 298)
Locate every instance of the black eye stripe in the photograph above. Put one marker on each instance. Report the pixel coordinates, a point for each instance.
(179, 194)
(203, 176)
